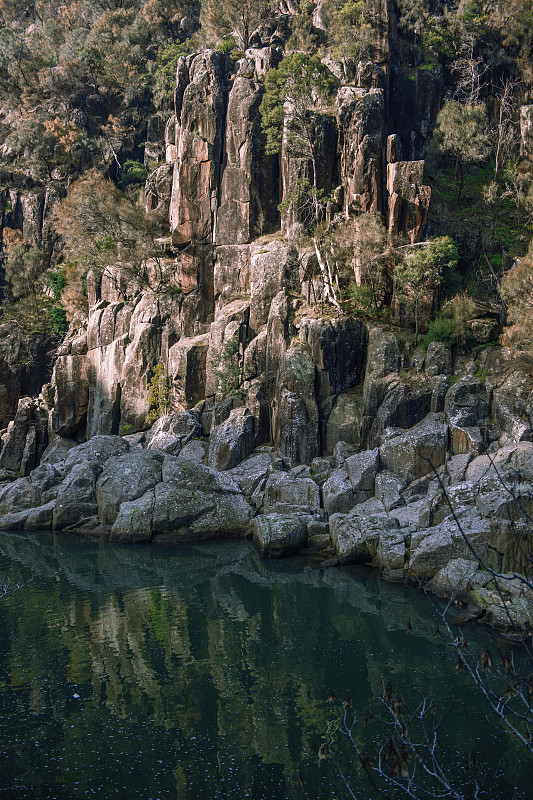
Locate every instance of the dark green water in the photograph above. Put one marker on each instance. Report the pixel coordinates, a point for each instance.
(204, 672)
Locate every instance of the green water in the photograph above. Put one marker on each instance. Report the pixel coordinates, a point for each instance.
(204, 672)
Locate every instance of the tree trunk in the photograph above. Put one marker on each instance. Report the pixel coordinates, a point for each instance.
(329, 290)
(461, 180)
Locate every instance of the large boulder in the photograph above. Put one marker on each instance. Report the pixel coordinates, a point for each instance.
(362, 469)
(171, 432)
(76, 507)
(290, 492)
(403, 406)
(344, 422)
(466, 403)
(512, 401)
(190, 504)
(133, 523)
(513, 462)
(232, 441)
(198, 505)
(416, 452)
(438, 360)
(338, 347)
(95, 452)
(125, 478)
(280, 534)
(356, 538)
(388, 489)
(432, 549)
(338, 493)
(252, 473)
(19, 496)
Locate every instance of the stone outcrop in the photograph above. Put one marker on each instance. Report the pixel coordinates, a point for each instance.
(288, 420)
(408, 199)
(247, 206)
(385, 506)
(203, 86)
(361, 120)
(24, 367)
(25, 440)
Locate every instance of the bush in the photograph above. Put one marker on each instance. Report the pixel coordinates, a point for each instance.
(229, 372)
(440, 330)
(133, 173)
(158, 394)
(451, 325)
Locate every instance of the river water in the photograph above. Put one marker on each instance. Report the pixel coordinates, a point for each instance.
(204, 672)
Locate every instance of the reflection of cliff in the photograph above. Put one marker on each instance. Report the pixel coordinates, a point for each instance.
(231, 661)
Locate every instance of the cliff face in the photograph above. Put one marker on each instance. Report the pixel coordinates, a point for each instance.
(233, 310)
(234, 271)
(276, 413)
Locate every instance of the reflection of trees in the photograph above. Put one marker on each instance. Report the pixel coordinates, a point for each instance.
(227, 668)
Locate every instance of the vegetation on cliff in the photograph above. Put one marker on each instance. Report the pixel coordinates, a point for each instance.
(79, 81)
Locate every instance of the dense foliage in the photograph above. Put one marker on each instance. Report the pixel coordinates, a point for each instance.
(79, 79)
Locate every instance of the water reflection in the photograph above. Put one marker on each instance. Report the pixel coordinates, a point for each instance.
(198, 671)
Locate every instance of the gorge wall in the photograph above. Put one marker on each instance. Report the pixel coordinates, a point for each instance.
(233, 307)
(277, 413)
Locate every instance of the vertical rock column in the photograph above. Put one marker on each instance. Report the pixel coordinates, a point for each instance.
(249, 185)
(408, 201)
(361, 121)
(201, 114)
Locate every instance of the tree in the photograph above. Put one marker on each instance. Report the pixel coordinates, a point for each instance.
(220, 18)
(357, 248)
(345, 24)
(300, 85)
(99, 227)
(517, 291)
(413, 15)
(294, 92)
(158, 394)
(505, 132)
(461, 133)
(421, 272)
(24, 267)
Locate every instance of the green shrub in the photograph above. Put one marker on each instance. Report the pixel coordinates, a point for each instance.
(133, 173)
(158, 394)
(227, 45)
(229, 372)
(165, 72)
(440, 330)
(58, 318)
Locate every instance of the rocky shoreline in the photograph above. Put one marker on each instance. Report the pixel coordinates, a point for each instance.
(396, 507)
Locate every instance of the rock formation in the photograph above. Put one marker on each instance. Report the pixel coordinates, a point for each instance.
(282, 419)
